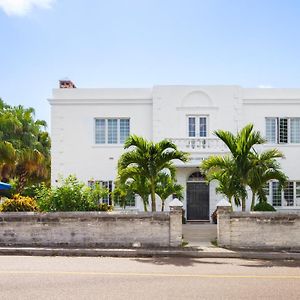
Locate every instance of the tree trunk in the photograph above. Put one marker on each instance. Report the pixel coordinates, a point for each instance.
(253, 200)
(162, 205)
(145, 205)
(22, 181)
(153, 201)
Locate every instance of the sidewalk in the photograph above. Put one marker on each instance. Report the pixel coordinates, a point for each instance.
(192, 252)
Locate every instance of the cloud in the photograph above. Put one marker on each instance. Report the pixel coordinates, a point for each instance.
(23, 7)
(262, 86)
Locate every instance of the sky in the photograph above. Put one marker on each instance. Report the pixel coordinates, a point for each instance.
(141, 43)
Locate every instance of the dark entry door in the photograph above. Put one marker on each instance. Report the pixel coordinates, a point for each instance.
(197, 201)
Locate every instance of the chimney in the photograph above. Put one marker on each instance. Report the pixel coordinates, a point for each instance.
(66, 84)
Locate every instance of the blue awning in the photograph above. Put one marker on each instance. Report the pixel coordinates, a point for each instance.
(4, 186)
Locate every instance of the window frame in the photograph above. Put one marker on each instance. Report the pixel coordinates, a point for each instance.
(106, 143)
(278, 140)
(197, 126)
(283, 193)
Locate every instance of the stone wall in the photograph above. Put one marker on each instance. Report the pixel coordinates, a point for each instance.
(91, 229)
(259, 230)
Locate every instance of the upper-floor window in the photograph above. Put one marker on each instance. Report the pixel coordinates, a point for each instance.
(111, 131)
(283, 130)
(197, 126)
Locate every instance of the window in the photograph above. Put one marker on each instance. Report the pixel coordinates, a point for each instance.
(197, 126)
(283, 130)
(287, 197)
(276, 193)
(130, 200)
(105, 184)
(111, 131)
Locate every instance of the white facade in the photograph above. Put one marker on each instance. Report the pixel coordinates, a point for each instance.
(163, 112)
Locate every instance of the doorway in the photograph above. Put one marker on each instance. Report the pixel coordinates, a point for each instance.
(197, 198)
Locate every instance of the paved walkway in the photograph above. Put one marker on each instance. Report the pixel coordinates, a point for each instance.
(199, 235)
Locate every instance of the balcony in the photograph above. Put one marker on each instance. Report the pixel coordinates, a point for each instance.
(203, 145)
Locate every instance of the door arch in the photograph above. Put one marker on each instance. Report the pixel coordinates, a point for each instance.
(197, 198)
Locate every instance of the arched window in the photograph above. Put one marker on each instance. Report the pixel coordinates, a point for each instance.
(196, 176)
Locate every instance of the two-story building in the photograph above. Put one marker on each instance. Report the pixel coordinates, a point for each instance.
(89, 127)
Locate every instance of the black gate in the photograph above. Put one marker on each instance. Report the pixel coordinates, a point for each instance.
(197, 201)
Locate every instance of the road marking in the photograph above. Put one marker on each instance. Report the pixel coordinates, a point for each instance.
(152, 274)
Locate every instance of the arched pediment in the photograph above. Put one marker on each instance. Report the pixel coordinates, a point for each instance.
(197, 99)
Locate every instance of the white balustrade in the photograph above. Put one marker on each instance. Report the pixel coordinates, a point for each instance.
(200, 144)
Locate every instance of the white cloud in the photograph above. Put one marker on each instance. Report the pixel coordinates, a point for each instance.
(262, 86)
(23, 7)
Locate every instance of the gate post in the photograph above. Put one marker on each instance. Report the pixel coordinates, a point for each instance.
(175, 233)
(223, 226)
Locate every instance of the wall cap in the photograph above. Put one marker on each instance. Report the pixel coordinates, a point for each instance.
(175, 203)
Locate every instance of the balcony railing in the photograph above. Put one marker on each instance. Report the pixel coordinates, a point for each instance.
(200, 144)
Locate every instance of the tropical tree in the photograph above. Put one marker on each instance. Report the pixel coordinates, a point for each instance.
(265, 168)
(222, 169)
(167, 186)
(24, 146)
(124, 192)
(243, 167)
(147, 159)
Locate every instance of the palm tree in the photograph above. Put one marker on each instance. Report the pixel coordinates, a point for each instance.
(137, 185)
(147, 159)
(222, 169)
(27, 144)
(240, 147)
(265, 168)
(167, 186)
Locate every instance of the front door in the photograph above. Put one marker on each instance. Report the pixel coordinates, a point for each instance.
(197, 201)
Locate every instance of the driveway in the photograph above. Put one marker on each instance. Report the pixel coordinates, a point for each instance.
(199, 235)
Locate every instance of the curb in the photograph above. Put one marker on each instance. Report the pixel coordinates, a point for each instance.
(188, 253)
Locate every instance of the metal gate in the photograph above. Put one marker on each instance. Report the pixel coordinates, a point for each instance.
(197, 201)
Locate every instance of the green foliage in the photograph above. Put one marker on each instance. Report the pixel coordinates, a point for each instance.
(105, 207)
(24, 146)
(123, 194)
(70, 195)
(146, 159)
(18, 204)
(167, 186)
(263, 206)
(244, 167)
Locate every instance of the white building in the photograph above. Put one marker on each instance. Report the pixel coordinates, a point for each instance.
(89, 127)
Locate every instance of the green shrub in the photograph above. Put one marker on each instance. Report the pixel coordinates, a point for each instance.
(263, 206)
(19, 203)
(105, 207)
(71, 195)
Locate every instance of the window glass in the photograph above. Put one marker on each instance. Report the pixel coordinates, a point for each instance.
(271, 130)
(100, 131)
(124, 130)
(297, 193)
(283, 130)
(288, 193)
(295, 130)
(112, 131)
(202, 124)
(276, 192)
(192, 127)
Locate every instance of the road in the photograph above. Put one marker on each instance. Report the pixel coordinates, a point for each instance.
(146, 278)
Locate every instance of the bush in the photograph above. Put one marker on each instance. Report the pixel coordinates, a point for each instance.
(105, 207)
(72, 195)
(19, 203)
(263, 206)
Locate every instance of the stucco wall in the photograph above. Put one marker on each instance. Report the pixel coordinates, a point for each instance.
(259, 230)
(91, 229)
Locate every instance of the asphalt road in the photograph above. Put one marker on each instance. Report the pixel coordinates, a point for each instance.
(146, 278)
